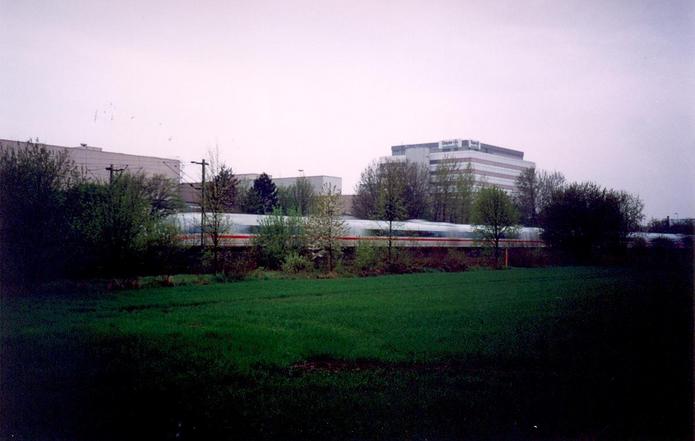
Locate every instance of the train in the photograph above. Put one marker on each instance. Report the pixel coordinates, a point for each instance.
(240, 229)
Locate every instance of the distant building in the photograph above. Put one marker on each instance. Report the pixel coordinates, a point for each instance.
(190, 192)
(491, 164)
(318, 183)
(93, 161)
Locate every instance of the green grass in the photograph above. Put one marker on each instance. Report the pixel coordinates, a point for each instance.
(572, 351)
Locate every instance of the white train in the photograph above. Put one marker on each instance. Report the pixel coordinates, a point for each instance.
(241, 228)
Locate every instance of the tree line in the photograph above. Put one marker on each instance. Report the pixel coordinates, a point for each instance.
(581, 218)
(56, 223)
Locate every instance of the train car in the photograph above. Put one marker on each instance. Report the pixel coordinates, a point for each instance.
(241, 228)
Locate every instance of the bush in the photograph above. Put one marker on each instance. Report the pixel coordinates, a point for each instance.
(454, 261)
(295, 263)
(368, 259)
(279, 236)
(401, 263)
(237, 266)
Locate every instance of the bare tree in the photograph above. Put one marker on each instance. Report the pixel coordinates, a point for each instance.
(391, 208)
(548, 184)
(412, 181)
(534, 190)
(444, 190)
(365, 202)
(464, 197)
(526, 196)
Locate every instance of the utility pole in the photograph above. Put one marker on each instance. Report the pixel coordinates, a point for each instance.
(111, 170)
(203, 163)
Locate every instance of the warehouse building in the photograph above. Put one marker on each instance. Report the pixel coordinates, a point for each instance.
(95, 163)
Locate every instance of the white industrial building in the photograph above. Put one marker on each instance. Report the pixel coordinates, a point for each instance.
(318, 183)
(490, 164)
(94, 161)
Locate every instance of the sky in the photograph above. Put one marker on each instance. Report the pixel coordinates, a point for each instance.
(601, 91)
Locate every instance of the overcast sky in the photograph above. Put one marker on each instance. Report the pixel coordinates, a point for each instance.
(602, 91)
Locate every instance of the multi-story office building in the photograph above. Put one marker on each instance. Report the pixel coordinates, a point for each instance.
(94, 162)
(490, 164)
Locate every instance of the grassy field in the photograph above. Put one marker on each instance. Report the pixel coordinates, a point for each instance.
(558, 353)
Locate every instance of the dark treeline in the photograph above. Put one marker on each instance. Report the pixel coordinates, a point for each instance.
(55, 223)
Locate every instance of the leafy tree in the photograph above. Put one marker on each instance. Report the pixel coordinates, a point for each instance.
(262, 197)
(325, 227)
(113, 227)
(33, 181)
(279, 236)
(495, 216)
(584, 217)
(220, 198)
(297, 197)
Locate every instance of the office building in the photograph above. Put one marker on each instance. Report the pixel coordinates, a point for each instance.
(490, 164)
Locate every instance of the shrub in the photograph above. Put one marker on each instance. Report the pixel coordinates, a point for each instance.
(368, 259)
(278, 236)
(662, 243)
(401, 263)
(237, 266)
(454, 261)
(295, 263)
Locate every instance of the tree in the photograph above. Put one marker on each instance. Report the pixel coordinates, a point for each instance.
(325, 227)
(390, 203)
(33, 181)
(413, 189)
(365, 202)
(495, 216)
(415, 193)
(444, 190)
(114, 227)
(548, 183)
(163, 195)
(534, 190)
(262, 197)
(220, 198)
(278, 236)
(526, 196)
(584, 217)
(631, 208)
(464, 196)
(297, 197)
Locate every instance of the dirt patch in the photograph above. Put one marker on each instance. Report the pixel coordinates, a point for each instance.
(334, 365)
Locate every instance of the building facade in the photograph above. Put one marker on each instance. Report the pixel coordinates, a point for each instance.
(318, 183)
(491, 165)
(94, 162)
